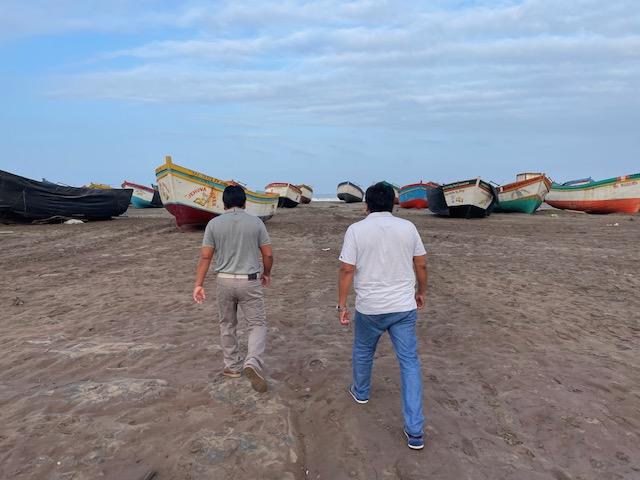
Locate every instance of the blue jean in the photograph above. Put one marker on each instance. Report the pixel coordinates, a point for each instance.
(402, 330)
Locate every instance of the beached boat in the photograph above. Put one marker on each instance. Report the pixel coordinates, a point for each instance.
(289, 196)
(143, 196)
(307, 193)
(613, 195)
(525, 195)
(26, 200)
(194, 198)
(415, 195)
(473, 198)
(350, 192)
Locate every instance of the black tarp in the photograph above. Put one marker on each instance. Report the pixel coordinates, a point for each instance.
(25, 200)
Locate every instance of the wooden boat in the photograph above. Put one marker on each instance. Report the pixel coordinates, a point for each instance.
(26, 200)
(350, 192)
(307, 193)
(415, 195)
(194, 198)
(613, 195)
(473, 198)
(143, 196)
(289, 196)
(525, 195)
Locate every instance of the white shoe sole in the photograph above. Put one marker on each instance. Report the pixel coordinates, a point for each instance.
(361, 402)
(411, 446)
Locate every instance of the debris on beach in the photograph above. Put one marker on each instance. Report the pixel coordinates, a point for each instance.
(18, 301)
(73, 221)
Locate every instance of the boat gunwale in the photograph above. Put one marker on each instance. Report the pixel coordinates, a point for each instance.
(596, 184)
(197, 177)
(138, 186)
(284, 184)
(523, 183)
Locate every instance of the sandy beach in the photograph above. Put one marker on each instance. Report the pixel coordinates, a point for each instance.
(529, 346)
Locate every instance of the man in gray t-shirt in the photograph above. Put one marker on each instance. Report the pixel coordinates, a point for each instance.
(236, 238)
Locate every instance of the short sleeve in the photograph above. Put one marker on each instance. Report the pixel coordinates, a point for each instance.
(418, 249)
(263, 235)
(208, 240)
(349, 253)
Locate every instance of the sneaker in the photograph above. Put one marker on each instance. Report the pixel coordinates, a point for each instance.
(258, 382)
(356, 398)
(227, 372)
(413, 442)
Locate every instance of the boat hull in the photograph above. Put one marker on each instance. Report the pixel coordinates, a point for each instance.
(349, 192)
(614, 195)
(307, 194)
(467, 199)
(524, 196)
(415, 195)
(26, 200)
(194, 198)
(289, 196)
(143, 196)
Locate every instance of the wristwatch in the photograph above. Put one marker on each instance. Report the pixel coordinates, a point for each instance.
(341, 309)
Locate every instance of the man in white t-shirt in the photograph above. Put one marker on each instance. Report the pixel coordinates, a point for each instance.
(384, 255)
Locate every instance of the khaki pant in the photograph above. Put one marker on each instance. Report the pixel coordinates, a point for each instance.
(246, 294)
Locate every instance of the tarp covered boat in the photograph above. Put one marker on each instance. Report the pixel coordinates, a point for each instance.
(143, 196)
(415, 195)
(289, 196)
(349, 192)
(525, 195)
(26, 200)
(473, 198)
(194, 198)
(613, 195)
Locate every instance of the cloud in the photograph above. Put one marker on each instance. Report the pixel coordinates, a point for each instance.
(372, 62)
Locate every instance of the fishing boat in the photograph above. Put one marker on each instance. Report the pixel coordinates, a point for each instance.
(525, 195)
(350, 192)
(289, 196)
(415, 195)
(473, 198)
(26, 200)
(307, 193)
(194, 198)
(143, 196)
(613, 195)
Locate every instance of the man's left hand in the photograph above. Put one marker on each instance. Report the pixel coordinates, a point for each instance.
(266, 280)
(420, 300)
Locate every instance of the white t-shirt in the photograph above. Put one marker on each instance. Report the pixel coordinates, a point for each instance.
(382, 247)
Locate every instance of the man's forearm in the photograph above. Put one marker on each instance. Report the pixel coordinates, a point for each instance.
(267, 263)
(201, 271)
(344, 286)
(421, 276)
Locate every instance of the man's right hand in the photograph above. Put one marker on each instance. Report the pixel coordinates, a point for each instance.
(420, 300)
(198, 294)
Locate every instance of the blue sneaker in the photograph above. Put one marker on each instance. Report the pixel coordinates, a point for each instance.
(356, 398)
(413, 442)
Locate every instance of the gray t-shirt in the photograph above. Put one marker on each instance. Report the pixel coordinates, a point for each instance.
(236, 237)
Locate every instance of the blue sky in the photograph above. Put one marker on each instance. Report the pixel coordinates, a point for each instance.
(320, 91)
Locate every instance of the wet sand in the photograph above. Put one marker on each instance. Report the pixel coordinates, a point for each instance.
(529, 345)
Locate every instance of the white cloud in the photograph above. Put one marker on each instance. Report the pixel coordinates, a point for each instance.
(371, 61)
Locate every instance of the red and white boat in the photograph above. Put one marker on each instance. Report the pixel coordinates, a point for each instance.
(289, 195)
(194, 198)
(415, 195)
(613, 195)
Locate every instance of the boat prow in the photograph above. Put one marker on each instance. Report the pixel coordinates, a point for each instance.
(349, 192)
(525, 195)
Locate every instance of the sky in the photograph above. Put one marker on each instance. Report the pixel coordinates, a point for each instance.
(319, 92)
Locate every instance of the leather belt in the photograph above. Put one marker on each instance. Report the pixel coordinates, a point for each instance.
(251, 276)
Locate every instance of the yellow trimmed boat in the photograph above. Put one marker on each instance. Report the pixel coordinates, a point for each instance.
(194, 198)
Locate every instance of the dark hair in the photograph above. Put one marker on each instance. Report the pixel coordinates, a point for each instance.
(234, 196)
(380, 197)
